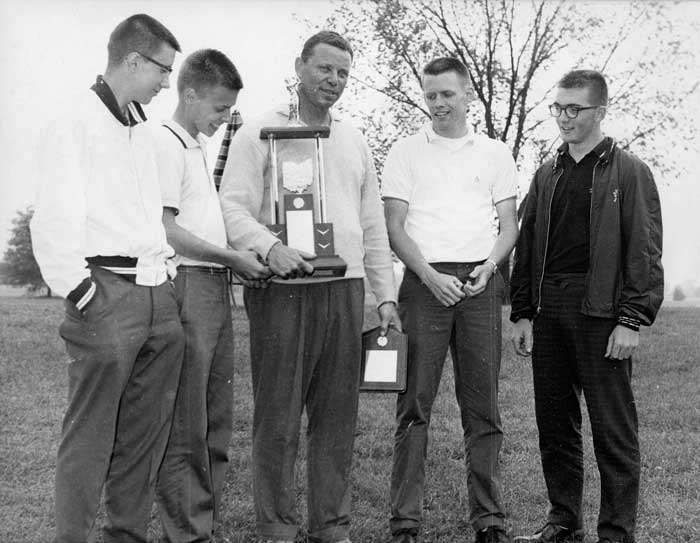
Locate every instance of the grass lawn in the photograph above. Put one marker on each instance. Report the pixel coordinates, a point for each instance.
(667, 385)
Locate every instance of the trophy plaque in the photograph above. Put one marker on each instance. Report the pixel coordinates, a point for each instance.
(298, 212)
(384, 361)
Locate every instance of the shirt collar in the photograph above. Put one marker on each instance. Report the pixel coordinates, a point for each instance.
(183, 134)
(283, 110)
(135, 113)
(431, 136)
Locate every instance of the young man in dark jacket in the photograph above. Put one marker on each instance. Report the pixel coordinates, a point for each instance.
(587, 274)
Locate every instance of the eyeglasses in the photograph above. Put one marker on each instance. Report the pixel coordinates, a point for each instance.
(163, 68)
(571, 110)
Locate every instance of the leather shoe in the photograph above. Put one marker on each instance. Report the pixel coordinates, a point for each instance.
(404, 536)
(553, 533)
(492, 534)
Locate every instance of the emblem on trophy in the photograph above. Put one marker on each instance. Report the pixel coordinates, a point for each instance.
(298, 210)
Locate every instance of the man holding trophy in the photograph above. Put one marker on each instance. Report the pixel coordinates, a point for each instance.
(311, 178)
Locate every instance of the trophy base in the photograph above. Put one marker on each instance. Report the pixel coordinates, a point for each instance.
(328, 266)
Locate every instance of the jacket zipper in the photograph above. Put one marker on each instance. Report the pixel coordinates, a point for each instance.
(546, 245)
(590, 221)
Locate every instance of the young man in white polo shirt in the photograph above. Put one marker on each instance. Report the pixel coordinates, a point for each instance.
(192, 475)
(98, 238)
(440, 187)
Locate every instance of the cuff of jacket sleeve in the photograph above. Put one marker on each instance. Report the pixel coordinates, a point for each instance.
(628, 322)
(528, 313)
(83, 293)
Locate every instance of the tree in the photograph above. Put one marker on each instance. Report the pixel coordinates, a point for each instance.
(678, 294)
(19, 267)
(514, 51)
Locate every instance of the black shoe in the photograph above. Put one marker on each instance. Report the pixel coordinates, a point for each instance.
(405, 536)
(553, 533)
(492, 534)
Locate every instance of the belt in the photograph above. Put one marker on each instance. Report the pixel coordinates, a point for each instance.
(125, 266)
(212, 270)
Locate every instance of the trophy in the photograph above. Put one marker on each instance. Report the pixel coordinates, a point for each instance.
(298, 210)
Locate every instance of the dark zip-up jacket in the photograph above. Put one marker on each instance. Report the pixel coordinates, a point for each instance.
(625, 278)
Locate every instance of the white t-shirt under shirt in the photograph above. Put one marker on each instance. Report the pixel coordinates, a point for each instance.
(186, 186)
(451, 187)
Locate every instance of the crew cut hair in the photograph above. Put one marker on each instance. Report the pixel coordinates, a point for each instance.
(208, 68)
(139, 33)
(329, 38)
(587, 79)
(442, 65)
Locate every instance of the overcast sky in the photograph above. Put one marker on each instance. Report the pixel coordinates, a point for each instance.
(50, 48)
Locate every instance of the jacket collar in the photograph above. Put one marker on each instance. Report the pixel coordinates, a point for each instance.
(135, 113)
(603, 150)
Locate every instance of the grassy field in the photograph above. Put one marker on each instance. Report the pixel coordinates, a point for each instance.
(667, 384)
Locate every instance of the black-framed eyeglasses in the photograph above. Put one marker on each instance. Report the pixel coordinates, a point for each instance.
(571, 110)
(165, 69)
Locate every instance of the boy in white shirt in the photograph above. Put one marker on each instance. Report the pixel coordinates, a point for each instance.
(440, 189)
(192, 475)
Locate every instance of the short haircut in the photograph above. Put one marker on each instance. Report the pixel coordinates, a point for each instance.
(139, 33)
(329, 38)
(442, 65)
(587, 79)
(206, 69)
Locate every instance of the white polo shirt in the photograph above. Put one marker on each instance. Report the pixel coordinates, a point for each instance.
(451, 187)
(186, 186)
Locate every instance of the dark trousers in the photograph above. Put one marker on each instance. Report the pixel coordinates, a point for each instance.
(472, 330)
(305, 344)
(567, 358)
(126, 355)
(192, 474)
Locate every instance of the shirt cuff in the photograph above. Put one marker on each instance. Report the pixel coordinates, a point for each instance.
(628, 322)
(527, 313)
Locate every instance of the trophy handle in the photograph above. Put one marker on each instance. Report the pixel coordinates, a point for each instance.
(321, 180)
(274, 189)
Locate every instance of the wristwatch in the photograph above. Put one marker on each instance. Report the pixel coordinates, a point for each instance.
(495, 266)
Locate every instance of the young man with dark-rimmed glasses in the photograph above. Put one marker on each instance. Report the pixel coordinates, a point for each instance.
(587, 275)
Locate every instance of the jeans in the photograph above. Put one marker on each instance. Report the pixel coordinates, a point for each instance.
(305, 345)
(568, 358)
(192, 475)
(472, 331)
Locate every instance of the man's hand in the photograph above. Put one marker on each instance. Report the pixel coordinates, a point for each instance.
(522, 337)
(481, 275)
(388, 316)
(246, 265)
(289, 263)
(252, 283)
(622, 343)
(446, 288)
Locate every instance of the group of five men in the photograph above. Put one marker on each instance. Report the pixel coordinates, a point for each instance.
(130, 229)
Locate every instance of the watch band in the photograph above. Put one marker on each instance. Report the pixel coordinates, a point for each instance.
(495, 266)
